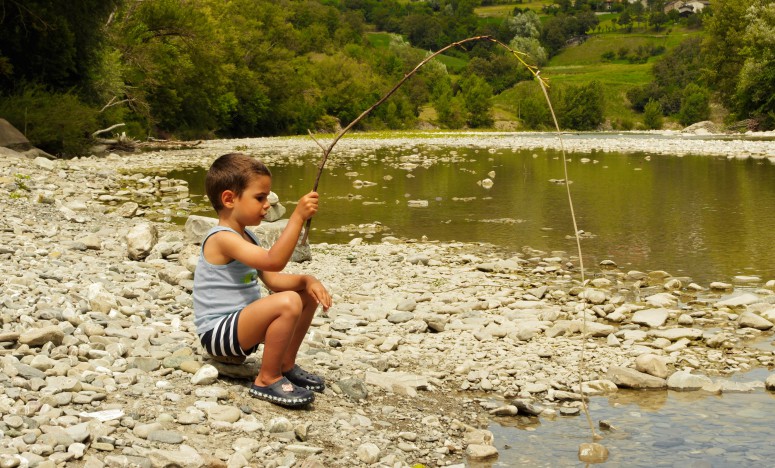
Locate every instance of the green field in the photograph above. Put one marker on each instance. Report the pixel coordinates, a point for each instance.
(381, 40)
(591, 51)
(503, 11)
(578, 65)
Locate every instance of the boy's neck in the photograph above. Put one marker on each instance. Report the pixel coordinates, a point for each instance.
(227, 221)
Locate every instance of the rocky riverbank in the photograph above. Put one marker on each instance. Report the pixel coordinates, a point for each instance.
(101, 366)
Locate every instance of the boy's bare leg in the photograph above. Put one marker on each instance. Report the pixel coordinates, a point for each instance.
(310, 305)
(273, 321)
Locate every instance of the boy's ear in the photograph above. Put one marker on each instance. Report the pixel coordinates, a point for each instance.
(227, 198)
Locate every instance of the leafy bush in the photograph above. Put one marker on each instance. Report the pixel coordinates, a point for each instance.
(477, 95)
(652, 116)
(695, 105)
(54, 122)
(624, 124)
(581, 107)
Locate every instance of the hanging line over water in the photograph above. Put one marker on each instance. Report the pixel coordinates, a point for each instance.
(520, 56)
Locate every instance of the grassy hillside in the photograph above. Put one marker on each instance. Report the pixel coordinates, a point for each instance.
(581, 64)
(382, 40)
(577, 65)
(502, 11)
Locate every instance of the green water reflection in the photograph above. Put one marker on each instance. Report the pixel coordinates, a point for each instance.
(651, 428)
(704, 217)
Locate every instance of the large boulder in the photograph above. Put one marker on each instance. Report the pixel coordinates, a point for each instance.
(702, 128)
(197, 226)
(12, 138)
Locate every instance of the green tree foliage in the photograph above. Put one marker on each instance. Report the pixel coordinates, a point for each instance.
(725, 45)
(58, 123)
(532, 47)
(695, 105)
(525, 24)
(477, 95)
(683, 65)
(755, 91)
(625, 20)
(652, 115)
(581, 107)
(534, 110)
(450, 109)
(51, 42)
(559, 29)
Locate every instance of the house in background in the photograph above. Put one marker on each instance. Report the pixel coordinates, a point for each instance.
(686, 8)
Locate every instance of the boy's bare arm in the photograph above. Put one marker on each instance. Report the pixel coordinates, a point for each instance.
(278, 282)
(235, 247)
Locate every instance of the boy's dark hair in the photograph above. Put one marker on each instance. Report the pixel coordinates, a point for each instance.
(232, 172)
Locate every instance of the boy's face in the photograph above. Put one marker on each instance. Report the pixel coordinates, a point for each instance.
(251, 207)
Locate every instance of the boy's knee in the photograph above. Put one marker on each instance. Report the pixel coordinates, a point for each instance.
(291, 302)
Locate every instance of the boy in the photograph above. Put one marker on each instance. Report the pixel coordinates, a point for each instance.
(229, 313)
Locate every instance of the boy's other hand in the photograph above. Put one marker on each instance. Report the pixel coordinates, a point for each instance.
(316, 289)
(308, 205)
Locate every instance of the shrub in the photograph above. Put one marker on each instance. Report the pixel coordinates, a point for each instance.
(652, 115)
(695, 105)
(625, 124)
(534, 112)
(581, 107)
(54, 122)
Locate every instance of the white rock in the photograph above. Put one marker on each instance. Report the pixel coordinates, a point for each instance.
(685, 381)
(206, 375)
(651, 317)
(368, 453)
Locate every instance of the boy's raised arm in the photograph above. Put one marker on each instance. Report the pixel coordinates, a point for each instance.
(280, 253)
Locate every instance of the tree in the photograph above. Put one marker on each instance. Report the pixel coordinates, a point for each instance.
(755, 92)
(532, 47)
(652, 115)
(725, 44)
(581, 107)
(477, 95)
(450, 109)
(625, 20)
(695, 105)
(52, 43)
(526, 24)
(657, 19)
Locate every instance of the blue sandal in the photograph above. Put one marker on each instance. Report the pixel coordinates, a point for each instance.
(283, 393)
(304, 379)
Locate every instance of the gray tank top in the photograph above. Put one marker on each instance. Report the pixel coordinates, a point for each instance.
(220, 290)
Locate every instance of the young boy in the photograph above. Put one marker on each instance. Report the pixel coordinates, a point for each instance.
(230, 315)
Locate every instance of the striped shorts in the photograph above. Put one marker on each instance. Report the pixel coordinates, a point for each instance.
(222, 339)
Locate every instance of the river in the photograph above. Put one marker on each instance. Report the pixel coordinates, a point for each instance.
(703, 218)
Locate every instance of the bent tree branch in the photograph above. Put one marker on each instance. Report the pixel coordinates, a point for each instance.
(544, 85)
(327, 150)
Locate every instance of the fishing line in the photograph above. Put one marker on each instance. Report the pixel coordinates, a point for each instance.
(536, 73)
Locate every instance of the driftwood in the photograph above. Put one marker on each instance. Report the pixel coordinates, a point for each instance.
(125, 143)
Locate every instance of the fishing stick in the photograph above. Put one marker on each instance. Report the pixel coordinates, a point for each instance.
(327, 149)
(544, 85)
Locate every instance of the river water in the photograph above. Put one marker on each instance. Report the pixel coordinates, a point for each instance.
(706, 218)
(651, 429)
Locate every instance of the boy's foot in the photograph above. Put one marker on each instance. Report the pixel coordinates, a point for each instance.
(302, 378)
(283, 393)
(233, 360)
